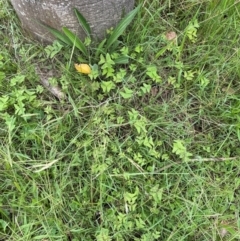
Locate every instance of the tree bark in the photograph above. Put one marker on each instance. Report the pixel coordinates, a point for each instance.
(100, 14)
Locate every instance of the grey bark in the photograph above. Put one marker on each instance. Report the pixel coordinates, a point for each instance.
(100, 14)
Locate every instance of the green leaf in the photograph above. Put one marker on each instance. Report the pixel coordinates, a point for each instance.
(107, 86)
(75, 40)
(188, 75)
(109, 60)
(114, 46)
(57, 34)
(152, 73)
(17, 80)
(52, 50)
(121, 60)
(4, 102)
(138, 49)
(100, 49)
(124, 50)
(102, 60)
(3, 223)
(127, 93)
(180, 150)
(83, 22)
(146, 88)
(140, 126)
(2, 75)
(121, 26)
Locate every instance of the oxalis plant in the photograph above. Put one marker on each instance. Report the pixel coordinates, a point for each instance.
(101, 64)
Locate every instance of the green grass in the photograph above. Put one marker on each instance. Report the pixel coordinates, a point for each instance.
(150, 155)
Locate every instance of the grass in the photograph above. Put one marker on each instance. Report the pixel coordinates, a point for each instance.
(150, 155)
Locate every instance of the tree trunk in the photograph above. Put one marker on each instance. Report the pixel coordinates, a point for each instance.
(100, 14)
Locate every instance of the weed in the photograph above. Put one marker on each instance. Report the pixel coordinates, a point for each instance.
(144, 147)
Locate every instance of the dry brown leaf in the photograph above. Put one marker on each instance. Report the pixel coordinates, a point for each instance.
(171, 35)
(228, 90)
(154, 91)
(223, 232)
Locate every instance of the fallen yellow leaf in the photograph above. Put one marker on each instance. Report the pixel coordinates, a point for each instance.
(83, 68)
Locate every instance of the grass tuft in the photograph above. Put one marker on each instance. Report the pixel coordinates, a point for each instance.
(141, 149)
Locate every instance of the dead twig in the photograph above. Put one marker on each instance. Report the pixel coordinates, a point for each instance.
(44, 79)
(211, 159)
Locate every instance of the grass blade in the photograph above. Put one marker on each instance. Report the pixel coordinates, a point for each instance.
(122, 26)
(58, 34)
(100, 49)
(121, 60)
(83, 22)
(75, 40)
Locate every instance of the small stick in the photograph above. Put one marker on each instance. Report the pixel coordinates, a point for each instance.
(44, 79)
(211, 159)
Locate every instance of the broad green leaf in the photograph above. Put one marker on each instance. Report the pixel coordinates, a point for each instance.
(57, 34)
(138, 49)
(121, 26)
(109, 60)
(83, 22)
(146, 88)
(124, 50)
(75, 40)
(102, 59)
(180, 150)
(3, 223)
(152, 73)
(52, 50)
(4, 102)
(17, 80)
(122, 60)
(107, 86)
(140, 126)
(128, 93)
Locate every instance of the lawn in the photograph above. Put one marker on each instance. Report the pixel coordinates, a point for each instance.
(146, 147)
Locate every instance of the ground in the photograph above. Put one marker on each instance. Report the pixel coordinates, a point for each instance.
(145, 147)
